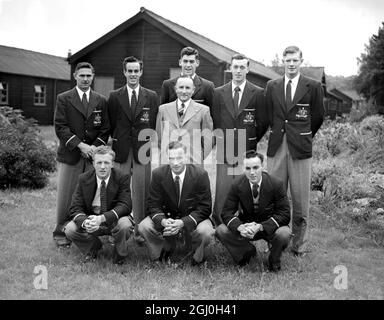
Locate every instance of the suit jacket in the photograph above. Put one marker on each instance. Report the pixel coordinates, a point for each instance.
(195, 130)
(203, 91)
(274, 209)
(119, 202)
(195, 201)
(126, 128)
(251, 116)
(300, 121)
(73, 124)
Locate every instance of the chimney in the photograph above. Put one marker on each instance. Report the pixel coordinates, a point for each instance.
(69, 53)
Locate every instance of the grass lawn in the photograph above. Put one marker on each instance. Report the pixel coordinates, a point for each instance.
(28, 218)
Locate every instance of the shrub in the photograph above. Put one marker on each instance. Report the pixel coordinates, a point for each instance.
(25, 161)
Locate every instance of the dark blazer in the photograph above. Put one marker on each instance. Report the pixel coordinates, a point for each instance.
(300, 121)
(195, 201)
(203, 91)
(250, 116)
(125, 127)
(74, 125)
(119, 202)
(274, 209)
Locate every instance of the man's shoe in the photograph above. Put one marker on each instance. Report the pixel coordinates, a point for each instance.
(139, 239)
(90, 256)
(165, 255)
(117, 259)
(62, 242)
(297, 254)
(273, 267)
(247, 257)
(194, 263)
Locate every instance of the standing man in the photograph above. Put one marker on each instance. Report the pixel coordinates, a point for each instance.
(185, 120)
(295, 112)
(81, 124)
(189, 61)
(101, 205)
(132, 110)
(238, 112)
(256, 208)
(179, 206)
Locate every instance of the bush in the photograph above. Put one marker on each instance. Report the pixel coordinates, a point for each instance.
(25, 161)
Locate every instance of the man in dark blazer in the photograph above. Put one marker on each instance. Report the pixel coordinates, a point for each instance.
(296, 111)
(101, 205)
(240, 121)
(256, 208)
(189, 61)
(81, 124)
(132, 111)
(179, 206)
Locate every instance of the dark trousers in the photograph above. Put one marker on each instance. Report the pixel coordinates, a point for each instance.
(238, 245)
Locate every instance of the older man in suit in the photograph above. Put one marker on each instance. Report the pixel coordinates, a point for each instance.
(296, 111)
(256, 208)
(132, 111)
(101, 205)
(81, 124)
(187, 121)
(189, 61)
(240, 121)
(179, 206)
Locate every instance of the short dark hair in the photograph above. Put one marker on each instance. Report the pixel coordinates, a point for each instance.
(86, 65)
(176, 145)
(253, 154)
(132, 59)
(104, 150)
(292, 49)
(189, 51)
(239, 56)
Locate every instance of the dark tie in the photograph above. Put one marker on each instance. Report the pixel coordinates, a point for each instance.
(84, 101)
(177, 185)
(133, 102)
(103, 197)
(181, 110)
(236, 97)
(288, 94)
(255, 188)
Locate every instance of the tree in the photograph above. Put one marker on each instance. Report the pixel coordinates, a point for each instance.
(370, 80)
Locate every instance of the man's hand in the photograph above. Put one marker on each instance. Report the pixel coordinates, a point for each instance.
(86, 150)
(171, 226)
(249, 230)
(92, 223)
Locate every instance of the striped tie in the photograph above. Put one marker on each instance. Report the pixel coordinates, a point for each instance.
(103, 197)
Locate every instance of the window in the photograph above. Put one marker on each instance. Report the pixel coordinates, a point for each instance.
(40, 95)
(3, 93)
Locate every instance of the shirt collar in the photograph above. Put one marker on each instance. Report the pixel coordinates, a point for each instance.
(242, 86)
(130, 90)
(81, 92)
(294, 80)
(186, 104)
(99, 181)
(181, 175)
(261, 180)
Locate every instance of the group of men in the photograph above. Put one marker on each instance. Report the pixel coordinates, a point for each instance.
(112, 191)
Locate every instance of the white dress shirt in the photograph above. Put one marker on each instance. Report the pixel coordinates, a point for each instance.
(81, 92)
(130, 90)
(242, 86)
(294, 83)
(96, 200)
(181, 175)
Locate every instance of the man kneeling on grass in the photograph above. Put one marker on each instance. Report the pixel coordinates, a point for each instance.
(101, 205)
(256, 208)
(179, 206)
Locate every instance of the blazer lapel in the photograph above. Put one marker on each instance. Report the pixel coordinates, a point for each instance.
(142, 100)
(265, 192)
(90, 187)
(76, 102)
(246, 194)
(191, 111)
(93, 100)
(280, 92)
(197, 82)
(245, 98)
(112, 188)
(187, 184)
(169, 186)
(228, 98)
(124, 102)
(172, 114)
(301, 90)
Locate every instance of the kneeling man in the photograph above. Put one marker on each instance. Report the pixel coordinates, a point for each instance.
(256, 208)
(101, 205)
(179, 205)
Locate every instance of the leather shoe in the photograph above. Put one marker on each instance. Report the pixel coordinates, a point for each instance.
(247, 257)
(117, 259)
(197, 264)
(165, 255)
(299, 254)
(92, 254)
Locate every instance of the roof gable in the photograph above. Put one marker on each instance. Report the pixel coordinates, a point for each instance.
(35, 64)
(208, 48)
